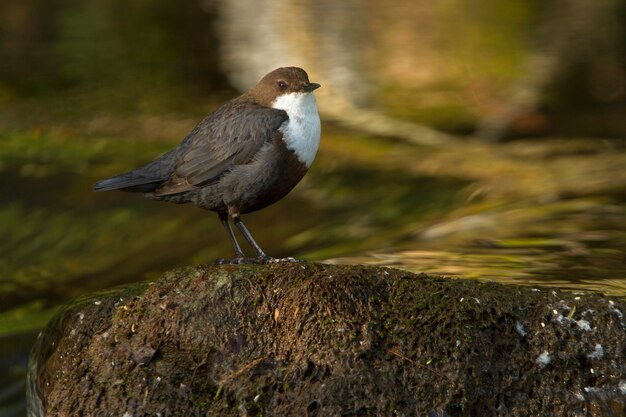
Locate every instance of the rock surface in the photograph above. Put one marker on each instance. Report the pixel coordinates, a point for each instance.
(310, 339)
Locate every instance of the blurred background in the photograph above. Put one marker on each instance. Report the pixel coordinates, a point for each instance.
(474, 140)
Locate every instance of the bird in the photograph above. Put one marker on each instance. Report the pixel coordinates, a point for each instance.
(246, 155)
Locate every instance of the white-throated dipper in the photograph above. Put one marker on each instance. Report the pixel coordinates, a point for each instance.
(246, 155)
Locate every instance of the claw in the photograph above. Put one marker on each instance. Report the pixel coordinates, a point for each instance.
(260, 260)
(238, 261)
(270, 260)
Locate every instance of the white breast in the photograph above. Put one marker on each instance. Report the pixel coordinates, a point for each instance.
(301, 132)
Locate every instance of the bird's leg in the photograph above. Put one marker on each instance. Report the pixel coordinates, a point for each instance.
(240, 256)
(231, 235)
(244, 231)
(234, 213)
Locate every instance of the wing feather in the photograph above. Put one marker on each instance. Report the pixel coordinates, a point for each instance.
(230, 136)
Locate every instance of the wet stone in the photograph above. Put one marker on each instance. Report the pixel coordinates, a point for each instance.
(311, 339)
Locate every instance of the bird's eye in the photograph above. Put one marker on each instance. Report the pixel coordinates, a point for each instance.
(282, 84)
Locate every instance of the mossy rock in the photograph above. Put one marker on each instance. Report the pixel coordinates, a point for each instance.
(302, 339)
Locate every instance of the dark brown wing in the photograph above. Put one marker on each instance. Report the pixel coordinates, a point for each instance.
(230, 136)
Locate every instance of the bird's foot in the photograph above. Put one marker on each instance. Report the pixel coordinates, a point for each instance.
(270, 260)
(238, 261)
(260, 260)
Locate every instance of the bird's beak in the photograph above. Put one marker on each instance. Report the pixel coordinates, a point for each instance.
(311, 86)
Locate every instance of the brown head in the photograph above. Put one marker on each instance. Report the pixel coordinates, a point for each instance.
(282, 81)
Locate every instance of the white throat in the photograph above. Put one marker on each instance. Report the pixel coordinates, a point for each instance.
(301, 132)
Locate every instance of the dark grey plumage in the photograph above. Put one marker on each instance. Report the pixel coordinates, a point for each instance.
(230, 136)
(233, 162)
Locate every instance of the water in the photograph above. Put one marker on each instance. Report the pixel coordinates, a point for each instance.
(61, 240)
(80, 102)
(367, 200)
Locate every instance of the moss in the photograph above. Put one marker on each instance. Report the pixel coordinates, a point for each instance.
(347, 340)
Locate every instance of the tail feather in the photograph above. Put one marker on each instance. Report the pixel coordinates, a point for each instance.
(144, 179)
(128, 182)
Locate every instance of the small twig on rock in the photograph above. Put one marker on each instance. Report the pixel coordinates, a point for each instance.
(241, 370)
(419, 365)
(238, 372)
